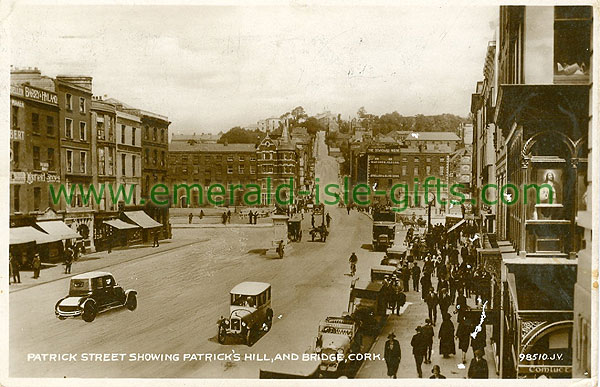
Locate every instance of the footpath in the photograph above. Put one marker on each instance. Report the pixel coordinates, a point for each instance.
(98, 261)
(404, 326)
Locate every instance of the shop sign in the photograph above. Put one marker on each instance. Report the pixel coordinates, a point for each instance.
(17, 90)
(40, 95)
(545, 369)
(33, 177)
(44, 167)
(16, 134)
(17, 103)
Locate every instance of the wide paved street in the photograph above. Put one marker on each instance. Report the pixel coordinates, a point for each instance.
(182, 293)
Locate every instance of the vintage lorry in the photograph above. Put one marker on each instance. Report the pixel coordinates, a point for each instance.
(367, 305)
(384, 230)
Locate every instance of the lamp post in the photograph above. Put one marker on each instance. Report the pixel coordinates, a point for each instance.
(431, 202)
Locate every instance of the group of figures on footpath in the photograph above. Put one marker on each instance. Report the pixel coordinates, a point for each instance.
(457, 284)
(17, 263)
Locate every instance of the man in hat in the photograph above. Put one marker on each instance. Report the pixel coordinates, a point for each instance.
(392, 355)
(419, 349)
(478, 369)
(428, 334)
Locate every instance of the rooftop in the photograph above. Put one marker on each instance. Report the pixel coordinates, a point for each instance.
(432, 136)
(182, 146)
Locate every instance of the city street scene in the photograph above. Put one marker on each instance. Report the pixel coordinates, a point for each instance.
(316, 192)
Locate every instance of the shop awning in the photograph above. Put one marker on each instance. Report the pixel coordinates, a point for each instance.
(457, 225)
(119, 224)
(28, 234)
(142, 219)
(59, 229)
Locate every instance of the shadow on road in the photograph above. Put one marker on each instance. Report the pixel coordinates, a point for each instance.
(367, 246)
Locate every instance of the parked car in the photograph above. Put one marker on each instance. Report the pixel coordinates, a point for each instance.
(249, 312)
(93, 293)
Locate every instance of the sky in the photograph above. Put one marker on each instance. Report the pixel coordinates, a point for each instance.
(209, 68)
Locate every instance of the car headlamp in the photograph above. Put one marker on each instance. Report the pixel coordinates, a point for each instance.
(243, 324)
(340, 351)
(318, 349)
(227, 322)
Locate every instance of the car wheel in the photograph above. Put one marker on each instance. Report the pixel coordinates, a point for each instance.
(89, 312)
(312, 236)
(269, 321)
(61, 317)
(131, 302)
(221, 335)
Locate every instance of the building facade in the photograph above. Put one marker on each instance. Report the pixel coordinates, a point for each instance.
(129, 156)
(277, 163)
(34, 150)
(209, 164)
(104, 150)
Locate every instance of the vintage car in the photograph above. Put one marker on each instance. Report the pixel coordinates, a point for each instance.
(380, 272)
(336, 340)
(249, 312)
(367, 305)
(93, 293)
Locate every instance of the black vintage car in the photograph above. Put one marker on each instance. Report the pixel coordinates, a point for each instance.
(93, 293)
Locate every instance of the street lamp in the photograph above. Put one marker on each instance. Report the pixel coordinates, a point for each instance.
(431, 202)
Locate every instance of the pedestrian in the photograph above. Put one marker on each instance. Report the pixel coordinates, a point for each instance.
(16, 267)
(425, 285)
(478, 342)
(463, 333)
(224, 218)
(36, 264)
(392, 355)
(416, 275)
(348, 209)
(428, 334)
(405, 273)
(432, 303)
(312, 220)
(228, 216)
(419, 349)
(400, 300)
(250, 215)
(446, 335)
(328, 219)
(478, 369)
(109, 239)
(155, 241)
(190, 218)
(436, 373)
(68, 259)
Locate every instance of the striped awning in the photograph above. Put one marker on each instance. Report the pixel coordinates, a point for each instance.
(119, 224)
(28, 234)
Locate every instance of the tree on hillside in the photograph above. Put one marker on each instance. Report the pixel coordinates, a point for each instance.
(237, 135)
(312, 125)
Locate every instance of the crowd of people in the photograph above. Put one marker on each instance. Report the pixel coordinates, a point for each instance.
(444, 267)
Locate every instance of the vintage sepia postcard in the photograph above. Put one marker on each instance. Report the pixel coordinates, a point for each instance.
(203, 193)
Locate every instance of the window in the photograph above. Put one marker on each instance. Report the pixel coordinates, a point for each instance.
(101, 158)
(572, 43)
(35, 123)
(69, 161)
(123, 161)
(15, 117)
(416, 160)
(99, 129)
(154, 134)
(240, 169)
(252, 158)
(405, 160)
(17, 198)
(133, 165)
(442, 159)
(441, 170)
(162, 135)
(36, 158)
(155, 158)
(252, 169)
(428, 159)
(50, 159)
(162, 159)
(229, 169)
(147, 156)
(109, 127)
(133, 130)
(416, 171)
(196, 159)
(68, 128)
(82, 130)
(81, 105)
(230, 158)
(15, 153)
(242, 158)
(428, 170)
(404, 170)
(37, 198)
(68, 101)
(83, 162)
(109, 168)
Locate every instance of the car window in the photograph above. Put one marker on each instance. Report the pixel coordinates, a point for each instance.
(109, 281)
(97, 283)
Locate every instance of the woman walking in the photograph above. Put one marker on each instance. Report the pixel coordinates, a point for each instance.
(463, 333)
(446, 335)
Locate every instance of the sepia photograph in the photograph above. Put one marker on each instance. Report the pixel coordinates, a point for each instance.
(200, 193)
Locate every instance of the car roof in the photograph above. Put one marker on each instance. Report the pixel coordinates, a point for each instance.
(383, 268)
(91, 274)
(250, 288)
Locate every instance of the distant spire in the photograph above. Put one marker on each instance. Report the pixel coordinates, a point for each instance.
(285, 136)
